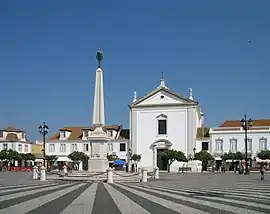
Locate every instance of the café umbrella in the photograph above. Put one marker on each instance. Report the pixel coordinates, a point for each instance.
(119, 162)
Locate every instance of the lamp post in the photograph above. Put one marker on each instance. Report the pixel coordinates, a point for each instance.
(194, 152)
(246, 124)
(43, 130)
(129, 159)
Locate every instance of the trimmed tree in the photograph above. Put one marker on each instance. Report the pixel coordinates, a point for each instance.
(204, 157)
(233, 156)
(78, 157)
(173, 155)
(111, 158)
(136, 158)
(264, 155)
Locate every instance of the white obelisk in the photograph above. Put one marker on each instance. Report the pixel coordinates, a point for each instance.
(98, 161)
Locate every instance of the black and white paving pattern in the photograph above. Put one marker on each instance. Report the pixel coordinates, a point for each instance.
(129, 198)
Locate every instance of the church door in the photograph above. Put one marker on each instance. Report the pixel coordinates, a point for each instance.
(161, 162)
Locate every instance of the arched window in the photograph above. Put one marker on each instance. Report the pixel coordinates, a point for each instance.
(162, 124)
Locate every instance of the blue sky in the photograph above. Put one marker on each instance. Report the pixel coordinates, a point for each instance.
(48, 48)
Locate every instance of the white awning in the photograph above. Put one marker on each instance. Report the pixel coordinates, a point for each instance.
(65, 159)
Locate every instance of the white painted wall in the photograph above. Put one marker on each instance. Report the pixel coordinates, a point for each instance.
(181, 132)
(255, 135)
(25, 147)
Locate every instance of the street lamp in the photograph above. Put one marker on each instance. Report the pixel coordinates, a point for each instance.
(246, 124)
(43, 130)
(194, 152)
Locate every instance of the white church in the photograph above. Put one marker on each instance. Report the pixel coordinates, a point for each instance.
(161, 120)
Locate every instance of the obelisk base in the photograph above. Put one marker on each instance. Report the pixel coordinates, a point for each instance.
(98, 164)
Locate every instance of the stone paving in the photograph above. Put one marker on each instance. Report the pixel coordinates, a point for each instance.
(173, 193)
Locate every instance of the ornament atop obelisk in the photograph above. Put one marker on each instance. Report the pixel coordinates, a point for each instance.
(98, 161)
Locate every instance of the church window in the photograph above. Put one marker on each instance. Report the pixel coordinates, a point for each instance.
(162, 126)
(161, 96)
(205, 146)
(122, 147)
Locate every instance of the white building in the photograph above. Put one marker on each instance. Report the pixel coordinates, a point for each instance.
(70, 139)
(230, 137)
(15, 139)
(161, 120)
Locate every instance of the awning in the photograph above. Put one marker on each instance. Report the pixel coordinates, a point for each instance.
(64, 159)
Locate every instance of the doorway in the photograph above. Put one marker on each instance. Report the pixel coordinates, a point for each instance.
(161, 162)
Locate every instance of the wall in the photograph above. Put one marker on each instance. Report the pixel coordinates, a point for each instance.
(240, 136)
(144, 130)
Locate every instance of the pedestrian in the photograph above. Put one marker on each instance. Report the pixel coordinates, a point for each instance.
(262, 171)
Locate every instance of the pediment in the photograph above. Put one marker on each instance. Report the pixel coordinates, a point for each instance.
(163, 96)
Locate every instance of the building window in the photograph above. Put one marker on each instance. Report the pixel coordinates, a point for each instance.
(73, 147)
(20, 147)
(5, 146)
(263, 144)
(23, 135)
(86, 133)
(63, 134)
(26, 148)
(233, 145)
(110, 147)
(162, 126)
(62, 147)
(219, 145)
(51, 148)
(249, 145)
(1, 134)
(86, 147)
(122, 147)
(205, 146)
(110, 133)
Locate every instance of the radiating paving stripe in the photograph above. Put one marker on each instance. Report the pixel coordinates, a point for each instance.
(27, 206)
(24, 185)
(30, 192)
(84, 203)
(59, 204)
(103, 202)
(225, 207)
(179, 208)
(124, 204)
(12, 190)
(219, 191)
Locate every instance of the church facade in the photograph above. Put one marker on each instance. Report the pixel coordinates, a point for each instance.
(163, 120)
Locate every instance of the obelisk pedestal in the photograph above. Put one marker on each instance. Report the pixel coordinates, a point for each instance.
(98, 161)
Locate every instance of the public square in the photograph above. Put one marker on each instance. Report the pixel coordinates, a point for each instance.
(172, 193)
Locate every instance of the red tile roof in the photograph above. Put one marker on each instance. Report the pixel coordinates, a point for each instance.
(237, 123)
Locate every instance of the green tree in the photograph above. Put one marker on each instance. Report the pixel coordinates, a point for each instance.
(173, 155)
(111, 157)
(233, 156)
(204, 157)
(264, 155)
(136, 158)
(13, 156)
(78, 157)
(51, 158)
(3, 155)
